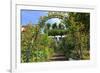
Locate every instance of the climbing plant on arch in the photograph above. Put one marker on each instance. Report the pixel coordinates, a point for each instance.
(51, 14)
(56, 29)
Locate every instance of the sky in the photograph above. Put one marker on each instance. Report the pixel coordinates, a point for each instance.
(31, 16)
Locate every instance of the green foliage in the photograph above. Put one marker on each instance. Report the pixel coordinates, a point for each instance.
(68, 44)
(38, 47)
(54, 26)
(35, 47)
(48, 25)
(55, 32)
(79, 32)
(53, 14)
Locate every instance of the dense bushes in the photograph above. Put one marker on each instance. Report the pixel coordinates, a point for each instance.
(76, 44)
(39, 47)
(68, 44)
(55, 32)
(35, 47)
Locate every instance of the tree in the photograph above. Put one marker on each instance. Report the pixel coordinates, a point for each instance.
(79, 28)
(35, 47)
(48, 25)
(26, 40)
(54, 26)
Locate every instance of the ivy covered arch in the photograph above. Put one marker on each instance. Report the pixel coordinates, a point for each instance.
(51, 14)
(57, 30)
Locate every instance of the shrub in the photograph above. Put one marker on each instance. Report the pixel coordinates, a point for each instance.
(35, 47)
